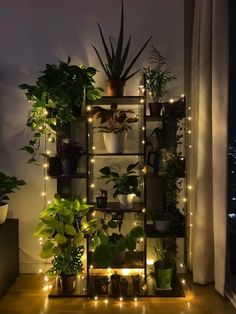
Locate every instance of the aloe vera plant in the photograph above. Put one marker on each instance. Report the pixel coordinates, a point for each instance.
(114, 66)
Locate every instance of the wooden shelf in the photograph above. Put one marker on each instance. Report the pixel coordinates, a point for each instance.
(115, 207)
(125, 100)
(121, 154)
(73, 176)
(151, 232)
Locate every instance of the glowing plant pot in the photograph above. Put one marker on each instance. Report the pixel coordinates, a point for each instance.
(126, 201)
(115, 143)
(3, 213)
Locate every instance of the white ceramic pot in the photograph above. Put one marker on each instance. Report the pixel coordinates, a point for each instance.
(126, 201)
(3, 213)
(115, 143)
(162, 225)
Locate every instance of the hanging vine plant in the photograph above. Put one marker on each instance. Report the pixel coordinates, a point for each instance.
(57, 99)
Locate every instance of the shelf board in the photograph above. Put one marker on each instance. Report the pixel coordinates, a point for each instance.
(151, 232)
(132, 260)
(115, 207)
(121, 154)
(74, 176)
(125, 100)
(154, 119)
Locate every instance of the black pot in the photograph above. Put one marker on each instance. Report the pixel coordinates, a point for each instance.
(68, 282)
(69, 166)
(123, 287)
(136, 286)
(54, 167)
(155, 109)
(115, 284)
(101, 202)
(101, 285)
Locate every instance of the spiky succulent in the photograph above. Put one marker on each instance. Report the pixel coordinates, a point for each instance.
(114, 66)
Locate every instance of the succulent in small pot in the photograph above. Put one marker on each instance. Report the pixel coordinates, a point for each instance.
(114, 124)
(7, 186)
(164, 254)
(126, 185)
(115, 66)
(69, 152)
(158, 76)
(102, 199)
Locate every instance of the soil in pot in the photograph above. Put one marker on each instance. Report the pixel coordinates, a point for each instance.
(115, 143)
(69, 166)
(156, 109)
(3, 212)
(115, 88)
(54, 167)
(68, 282)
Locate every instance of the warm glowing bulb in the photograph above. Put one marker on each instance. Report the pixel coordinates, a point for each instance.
(46, 278)
(84, 200)
(184, 199)
(135, 299)
(106, 300)
(143, 128)
(143, 142)
(171, 100)
(88, 108)
(50, 139)
(182, 95)
(190, 187)
(92, 185)
(94, 214)
(91, 266)
(141, 101)
(150, 261)
(46, 177)
(141, 239)
(96, 298)
(49, 202)
(92, 160)
(43, 193)
(40, 271)
(45, 165)
(181, 265)
(90, 120)
(48, 152)
(189, 118)
(121, 299)
(144, 210)
(183, 281)
(93, 148)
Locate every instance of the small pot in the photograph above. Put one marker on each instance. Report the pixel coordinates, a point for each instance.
(3, 212)
(115, 284)
(136, 285)
(115, 88)
(115, 143)
(156, 109)
(101, 285)
(123, 286)
(126, 201)
(101, 202)
(68, 282)
(163, 276)
(54, 167)
(69, 166)
(162, 225)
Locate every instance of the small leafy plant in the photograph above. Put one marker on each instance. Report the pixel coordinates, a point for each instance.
(157, 75)
(68, 262)
(70, 149)
(114, 120)
(164, 253)
(8, 185)
(126, 183)
(115, 64)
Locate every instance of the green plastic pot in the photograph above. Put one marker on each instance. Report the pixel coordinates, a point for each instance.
(163, 277)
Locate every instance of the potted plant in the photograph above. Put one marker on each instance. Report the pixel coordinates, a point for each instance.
(115, 284)
(114, 124)
(69, 152)
(164, 254)
(161, 221)
(102, 199)
(110, 248)
(57, 98)
(63, 226)
(7, 186)
(67, 264)
(136, 284)
(115, 67)
(123, 286)
(157, 77)
(126, 185)
(101, 284)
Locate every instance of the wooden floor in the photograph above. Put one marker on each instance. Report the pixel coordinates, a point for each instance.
(27, 296)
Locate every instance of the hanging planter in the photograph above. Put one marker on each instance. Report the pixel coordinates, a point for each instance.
(115, 143)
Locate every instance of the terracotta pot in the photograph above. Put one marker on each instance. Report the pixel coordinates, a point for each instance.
(115, 143)
(156, 109)
(3, 212)
(126, 201)
(115, 88)
(68, 282)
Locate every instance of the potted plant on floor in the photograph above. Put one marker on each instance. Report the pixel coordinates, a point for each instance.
(114, 124)
(63, 226)
(115, 67)
(57, 99)
(157, 78)
(126, 185)
(69, 153)
(7, 186)
(101, 284)
(164, 254)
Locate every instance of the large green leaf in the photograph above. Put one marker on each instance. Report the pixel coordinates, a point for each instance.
(46, 254)
(79, 237)
(70, 230)
(46, 232)
(60, 239)
(38, 228)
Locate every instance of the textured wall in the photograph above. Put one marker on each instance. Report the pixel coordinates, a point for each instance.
(37, 32)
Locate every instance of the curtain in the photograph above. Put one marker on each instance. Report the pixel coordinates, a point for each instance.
(208, 98)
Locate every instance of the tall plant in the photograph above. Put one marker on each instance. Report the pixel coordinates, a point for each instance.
(116, 58)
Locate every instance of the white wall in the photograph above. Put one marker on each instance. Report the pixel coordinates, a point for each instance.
(37, 32)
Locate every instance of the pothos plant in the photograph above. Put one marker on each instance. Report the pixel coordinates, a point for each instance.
(113, 120)
(62, 224)
(57, 94)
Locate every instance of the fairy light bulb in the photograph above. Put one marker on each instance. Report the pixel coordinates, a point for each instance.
(49, 202)
(141, 101)
(185, 199)
(90, 120)
(121, 299)
(135, 299)
(189, 118)
(88, 108)
(96, 298)
(92, 160)
(45, 165)
(171, 100)
(43, 193)
(48, 152)
(92, 185)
